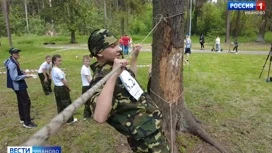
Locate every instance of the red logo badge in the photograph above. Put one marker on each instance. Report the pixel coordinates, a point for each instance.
(260, 5)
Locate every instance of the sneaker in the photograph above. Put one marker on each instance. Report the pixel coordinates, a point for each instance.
(236, 53)
(30, 126)
(75, 120)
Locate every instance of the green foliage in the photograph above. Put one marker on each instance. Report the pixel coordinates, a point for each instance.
(247, 28)
(210, 22)
(85, 16)
(36, 25)
(17, 20)
(91, 18)
(2, 24)
(142, 23)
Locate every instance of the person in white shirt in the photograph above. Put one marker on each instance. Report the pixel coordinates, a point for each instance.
(217, 44)
(188, 46)
(44, 75)
(61, 89)
(86, 78)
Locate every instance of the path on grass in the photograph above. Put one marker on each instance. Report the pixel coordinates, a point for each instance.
(147, 48)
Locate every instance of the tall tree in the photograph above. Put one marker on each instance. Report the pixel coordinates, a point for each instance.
(167, 57)
(228, 14)
(72, 14)
(197, 13)
(52, 27)
(261, 33)
(26, 15)
(237, 24)
(6, 13)
(126, 8)
(263, 24)
(227, 38)
(105, 14)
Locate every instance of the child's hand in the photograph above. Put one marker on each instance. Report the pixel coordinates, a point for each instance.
(119, 62)
(136, 49)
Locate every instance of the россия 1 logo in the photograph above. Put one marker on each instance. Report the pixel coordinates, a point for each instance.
(258, 5)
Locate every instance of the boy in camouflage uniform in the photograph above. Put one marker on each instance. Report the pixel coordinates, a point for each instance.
(139, 120)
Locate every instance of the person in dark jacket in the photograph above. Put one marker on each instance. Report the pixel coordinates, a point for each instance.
(235, 46)
(202, 41)
(16, 81)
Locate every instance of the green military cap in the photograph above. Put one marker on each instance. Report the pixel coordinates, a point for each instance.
(99, 40)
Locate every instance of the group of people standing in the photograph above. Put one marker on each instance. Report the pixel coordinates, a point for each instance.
(188, 45)
(48, 71)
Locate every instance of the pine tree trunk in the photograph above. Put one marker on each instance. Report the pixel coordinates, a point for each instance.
(237, 25)
(260, 37)
(105, 15)
(122, 22)
(26, 15)
(127, 16)
(52, 31)
(265, 20)
(166, 65)
(73, 37)
(123, 26)
(167, 53)
(227, 39)
(6, 13)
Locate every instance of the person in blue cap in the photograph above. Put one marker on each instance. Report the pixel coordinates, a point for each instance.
(16, 81)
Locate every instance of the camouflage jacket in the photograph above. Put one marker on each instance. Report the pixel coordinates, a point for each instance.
(130, 117)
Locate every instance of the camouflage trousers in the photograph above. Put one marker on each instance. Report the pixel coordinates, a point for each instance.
(63, 99)
(45, 85)
(87, 109)
(154, 143)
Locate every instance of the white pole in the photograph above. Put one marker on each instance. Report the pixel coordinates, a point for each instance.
(190, 23)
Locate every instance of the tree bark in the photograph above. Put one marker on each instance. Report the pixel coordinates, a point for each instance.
(127, 16)
(167, 57)
(73, 37)
(6, 13)
(227, 39)
(122, 22)
(237, 25)
(197, 12)
(166, 65)
(52, 30)
(26, 14)
(261, 33)
(105, 15)
(266, 18)
(123, 26)
(72, 23)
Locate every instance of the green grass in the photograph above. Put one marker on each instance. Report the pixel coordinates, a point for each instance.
(223, 90)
